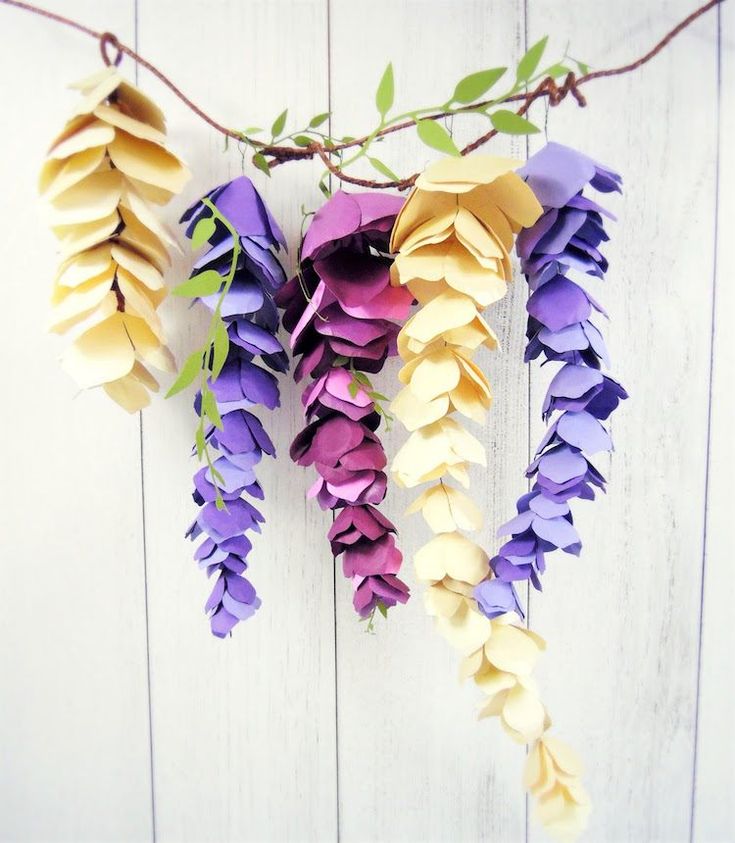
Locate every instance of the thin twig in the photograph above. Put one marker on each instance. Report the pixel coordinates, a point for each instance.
(278, 154)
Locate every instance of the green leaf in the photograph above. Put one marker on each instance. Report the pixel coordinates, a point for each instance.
(252, 130)
(204, 284)
(209, 408)
(318, 120)
(386, 90)
(472, 87)
(362, 378)
(382, 608)
(219, 502)
(378, 396)
(383, 169)
(259, 160)
(433, 134)
(584, 69)
(302, 140)
(528, 64)
(199, 441)
(220, 345)
(339, 360)
(353, 388)
(203, 230)
(325, 190)
(557, 70)
(217, 476)
(191, 368)
(347, 139)
(511, 123)
(279, 123)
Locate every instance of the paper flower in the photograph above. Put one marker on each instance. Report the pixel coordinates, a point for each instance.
(565, 239)
(342, 314)
(104, 175)
(242, 241)
(552, 774)
(453, 238)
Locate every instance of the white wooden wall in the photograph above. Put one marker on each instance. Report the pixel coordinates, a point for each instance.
(122, 719)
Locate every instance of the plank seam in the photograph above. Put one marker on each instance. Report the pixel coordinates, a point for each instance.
(713, 323)
(145, 541)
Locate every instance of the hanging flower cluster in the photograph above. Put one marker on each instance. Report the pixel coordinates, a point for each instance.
(342, 315)
(104, 174)
(453, 238)
(566, 238)
(242, 239)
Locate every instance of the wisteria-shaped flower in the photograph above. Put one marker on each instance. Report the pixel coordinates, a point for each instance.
(342, 315)
(235, 278)
(566, 238)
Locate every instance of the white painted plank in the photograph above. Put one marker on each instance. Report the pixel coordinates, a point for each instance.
(243, 729)
(623, 622)
(714, 820)
(74, 724)
(414, 764)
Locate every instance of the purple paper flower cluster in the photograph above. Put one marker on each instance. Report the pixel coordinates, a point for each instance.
(251, 318)
(343, 317)
(566, 238)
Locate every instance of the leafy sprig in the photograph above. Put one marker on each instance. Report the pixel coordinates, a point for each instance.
(469, 97)
(207, 361)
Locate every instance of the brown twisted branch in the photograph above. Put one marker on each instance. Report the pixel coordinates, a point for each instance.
(279, 154)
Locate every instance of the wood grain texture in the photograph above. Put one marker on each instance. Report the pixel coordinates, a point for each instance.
(414, 763)
(74, 723)
(623, 621)
(714, 820)
(243, 729)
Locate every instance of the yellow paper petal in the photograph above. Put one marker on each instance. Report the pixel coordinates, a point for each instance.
(511, 649)
(466, 630)
(92, 133)
(114, 117)
(102, 354)
(459, 175)
(148, 162)
(93, 198)
(83, 267)
(58, 175)
(78, 302)
(454, 555)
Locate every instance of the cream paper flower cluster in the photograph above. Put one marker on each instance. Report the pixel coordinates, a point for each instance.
(453, 238)
(103, 177)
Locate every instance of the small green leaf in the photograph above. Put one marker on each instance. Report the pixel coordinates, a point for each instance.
(318, 120)
(325, 190)
(362, 378)
(584, 69)
(259, 160)
(382, 608)
(433, 134)
(528, 64)
(279, 123)
(219, 502)
(199, 441)
(220, 346)
(252, 130)
(511, 123)
(191, 368)
(341, 361)
(557, 70)
(378, 396)
(302, 140)
(203, 230)
(209, 408)
(472, 87)
(347, 139)
(353, 388)
(383, 169)
(385, 93)
(204, 284)
(217, 476)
